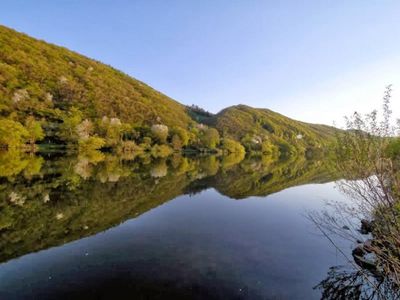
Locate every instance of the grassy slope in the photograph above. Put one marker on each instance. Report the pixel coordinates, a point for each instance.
(72, 79)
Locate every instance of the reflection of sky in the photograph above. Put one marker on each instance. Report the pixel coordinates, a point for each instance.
(258, 245)
(311, 60)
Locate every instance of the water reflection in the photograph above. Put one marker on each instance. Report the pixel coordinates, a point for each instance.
(202, 244)
(48, 202)
(343, 282)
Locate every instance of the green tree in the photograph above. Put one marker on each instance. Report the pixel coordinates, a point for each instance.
(70, 121)
(251, 142)
(180, 135)
(231, 159)
(113, 130)
(232, 146)
(210, 138)
(91, 143)
(12, 134)
(34, 128)
(161, 151)
(12, 162)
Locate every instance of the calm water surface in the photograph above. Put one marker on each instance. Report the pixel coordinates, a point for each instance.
(179, 228)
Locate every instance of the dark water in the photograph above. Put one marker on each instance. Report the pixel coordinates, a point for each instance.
(102, 227)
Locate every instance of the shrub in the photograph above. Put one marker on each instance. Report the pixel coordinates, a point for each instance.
(393, 148)
(84, 129)
(35, 131)
(160, 132)
(180, 138)
(232, 146)
(210, 138)
(91, 143)
(269, 148)
(161, 151)
(12, 134)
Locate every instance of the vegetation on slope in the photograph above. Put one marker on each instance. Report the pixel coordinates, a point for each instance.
(267, 131)
(52, 95)
(368, 153)
(46, 79)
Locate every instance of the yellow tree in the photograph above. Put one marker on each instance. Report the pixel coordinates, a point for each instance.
(12, 134)
(35, 131)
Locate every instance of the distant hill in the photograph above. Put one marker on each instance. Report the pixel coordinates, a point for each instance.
(241, 122)
(60, 88)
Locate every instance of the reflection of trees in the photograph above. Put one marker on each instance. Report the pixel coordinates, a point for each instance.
(14, 162)
(111, 170)
(61, 206)
(262, 177)
(160, 169)
(210, 165)
(352, 284)
(232, 159)
(51, 202)
(367, 278)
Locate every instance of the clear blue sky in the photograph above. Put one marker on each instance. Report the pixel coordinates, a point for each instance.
(311, 60)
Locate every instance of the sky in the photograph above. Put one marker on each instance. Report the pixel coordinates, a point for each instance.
(315, 61)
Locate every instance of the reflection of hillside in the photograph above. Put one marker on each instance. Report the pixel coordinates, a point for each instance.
(45, 203)
(60, 207)
(258, 178)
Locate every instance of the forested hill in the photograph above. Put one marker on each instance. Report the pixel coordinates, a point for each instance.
(40, 77)
(249, 124)
(51, 95)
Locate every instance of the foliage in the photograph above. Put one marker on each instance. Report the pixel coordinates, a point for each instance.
(39, 77)
(12, 134)
(355, 284)
(161, 151)
(70, 121)
(393, 148)
(160, 133)
(180, 138)
(232, 159)
(50, 202)
(129, 146)
(113, 130)
(210, 138)
(199, 114)
(84, 129)
(366, 155)
(35, 131)
(91, 143)
(269, 148)
(76, 98)
(363, 153)
(13, 162)
(232, 146)
(252, 126)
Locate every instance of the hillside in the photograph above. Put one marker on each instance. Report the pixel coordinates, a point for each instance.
(51, 95)
(248, 124)
(40, 77)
